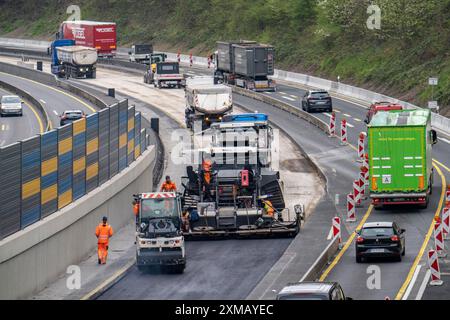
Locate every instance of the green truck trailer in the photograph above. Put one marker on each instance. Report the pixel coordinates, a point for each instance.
(400, 158)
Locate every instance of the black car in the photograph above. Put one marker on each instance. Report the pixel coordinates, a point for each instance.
(71, 116)
(380, 240)
(312, 291)
(317, 101)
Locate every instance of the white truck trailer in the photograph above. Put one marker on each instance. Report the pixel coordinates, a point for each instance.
(206, 102)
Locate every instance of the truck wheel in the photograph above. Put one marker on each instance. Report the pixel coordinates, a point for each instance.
(358, 259)
(178, 269)
(154, 83)
(159, 84)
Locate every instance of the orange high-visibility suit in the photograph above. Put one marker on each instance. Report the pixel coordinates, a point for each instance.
(169, 187)
(103, 232)
(136, 209)
(268, 208)
(207, 166)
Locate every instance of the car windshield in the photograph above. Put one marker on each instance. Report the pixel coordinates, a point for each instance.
(168, 68)
(320, 95)
(10, 100)
(143, 49)
(377, 232)
(73, 115)
(302, 296)
(158, 208)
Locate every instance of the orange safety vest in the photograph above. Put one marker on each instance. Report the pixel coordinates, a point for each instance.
(268, 207)
(169, 187)
(103, 233)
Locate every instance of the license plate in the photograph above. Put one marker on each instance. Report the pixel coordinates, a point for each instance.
(377, 250)
(321, 102)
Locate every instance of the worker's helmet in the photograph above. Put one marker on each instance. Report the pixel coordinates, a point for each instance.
(167, 177)
(105, 219)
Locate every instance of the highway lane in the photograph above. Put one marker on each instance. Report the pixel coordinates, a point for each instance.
(341, 168)
(13, 128)
(55, 100)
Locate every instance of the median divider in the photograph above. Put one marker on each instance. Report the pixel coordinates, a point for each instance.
(322, 261)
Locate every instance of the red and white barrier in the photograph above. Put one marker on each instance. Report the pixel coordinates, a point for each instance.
(439, 240)
(362, 184)
(361, 146)
(179, 57)
(332, 126)
(357, 193)
(191, 60)
(209, 62)
(336, 226)
(344, 138)
(351, 210)
(365, 168)
(446, 221)
(433, 264)
(447, 196)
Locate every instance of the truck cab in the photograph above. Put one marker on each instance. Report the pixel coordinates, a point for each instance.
(159, 236)
(165, 74)
(141, 53)
(381, 106)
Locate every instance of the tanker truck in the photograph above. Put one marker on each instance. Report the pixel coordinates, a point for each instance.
(206, 102)
(74, 61)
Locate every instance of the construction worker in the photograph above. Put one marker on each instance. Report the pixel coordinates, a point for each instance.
(168, 186)
(103, 232)
(207, 175)
(268, 208)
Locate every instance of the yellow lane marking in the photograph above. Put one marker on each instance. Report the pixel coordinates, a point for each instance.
(427, 238)
(54, 89)
(108, 281)
(346, 246)
(442, 165)
(41, 125)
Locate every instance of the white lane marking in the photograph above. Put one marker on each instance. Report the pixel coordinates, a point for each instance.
(4, 127)
(445, 140)
(281, 92)
(2, 143)
(288, 98)
(357, 120)
(350, 125)
(411, 284)
(330, 234)
(54, 111)
(269, 92)
(43, 101)
(292, 96)
(347, 115)
(338, 111)
(423, 286)
(327, 114)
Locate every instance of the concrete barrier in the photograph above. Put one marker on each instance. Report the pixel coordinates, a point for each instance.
(34, 257)
(317, 267)
(28, 97)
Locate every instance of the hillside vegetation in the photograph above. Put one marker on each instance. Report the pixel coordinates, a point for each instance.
(326, 38)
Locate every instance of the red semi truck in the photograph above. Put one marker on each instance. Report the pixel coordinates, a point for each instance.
(99, 35)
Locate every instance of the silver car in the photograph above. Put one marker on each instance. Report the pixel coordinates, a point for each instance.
(11, 105)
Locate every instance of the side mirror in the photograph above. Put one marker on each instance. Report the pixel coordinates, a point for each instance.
(434, 137)
(402, 231)
(300, 210)
(358, 232)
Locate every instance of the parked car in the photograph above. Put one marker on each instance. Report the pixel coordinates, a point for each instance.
(11, 105)
(381, 106)
(379, 240)
(312, 291)
(70, 116)
(314, 100)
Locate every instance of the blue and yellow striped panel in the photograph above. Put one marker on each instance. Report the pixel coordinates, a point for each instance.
(65, 164)
(79, 159)
(49, 173)
(92, 151)
(113, 141)
(31, 181)
(130, 144)
(123, 135)
(137, 135)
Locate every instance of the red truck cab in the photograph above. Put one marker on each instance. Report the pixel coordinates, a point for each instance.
(381, 106)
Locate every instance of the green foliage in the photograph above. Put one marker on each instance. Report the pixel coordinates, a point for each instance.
(323, 37)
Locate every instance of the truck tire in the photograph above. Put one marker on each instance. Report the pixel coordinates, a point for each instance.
(178, 269)
(142, 269)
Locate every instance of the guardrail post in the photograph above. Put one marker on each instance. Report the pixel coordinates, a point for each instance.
(112, 92)
(39, 65)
